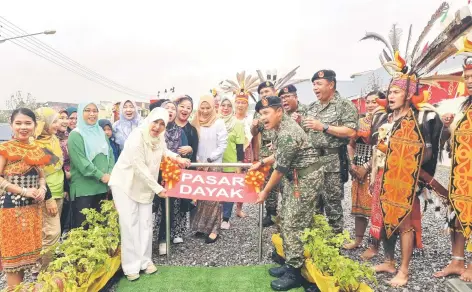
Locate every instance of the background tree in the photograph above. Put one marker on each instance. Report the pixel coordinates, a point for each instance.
(18, 99)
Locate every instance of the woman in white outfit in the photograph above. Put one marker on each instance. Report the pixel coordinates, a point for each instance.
(133, 183)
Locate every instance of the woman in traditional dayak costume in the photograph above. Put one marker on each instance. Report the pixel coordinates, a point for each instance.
(22, 192)
(213, 141)
(459, 218)
(414, 138)
(360, 152)
(244, 87)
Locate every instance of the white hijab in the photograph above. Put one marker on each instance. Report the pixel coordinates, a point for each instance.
(156, 114)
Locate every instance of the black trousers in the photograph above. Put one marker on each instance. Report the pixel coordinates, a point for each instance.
(88, 202)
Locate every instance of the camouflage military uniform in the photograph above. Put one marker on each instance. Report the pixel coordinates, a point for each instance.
(267, 136)
(294, 152)
(338, 112)
(300, 109)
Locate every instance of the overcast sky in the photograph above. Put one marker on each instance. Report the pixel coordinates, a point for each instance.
(152, 45)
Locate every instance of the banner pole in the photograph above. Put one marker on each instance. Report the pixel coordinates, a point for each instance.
(167, 230)
(261, 215)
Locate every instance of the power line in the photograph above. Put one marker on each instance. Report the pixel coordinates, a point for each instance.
(16, 42)
(47, 52)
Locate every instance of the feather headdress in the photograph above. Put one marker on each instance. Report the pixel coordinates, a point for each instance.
(414, 68)
(244, 86)
(283, 81)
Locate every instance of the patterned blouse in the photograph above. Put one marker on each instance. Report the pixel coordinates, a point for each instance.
(24, 162)
(363, 151)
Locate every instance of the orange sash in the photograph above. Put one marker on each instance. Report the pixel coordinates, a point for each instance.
(401, 173)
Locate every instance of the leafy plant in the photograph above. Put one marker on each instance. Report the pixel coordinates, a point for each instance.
(323, 245)
(85, 250)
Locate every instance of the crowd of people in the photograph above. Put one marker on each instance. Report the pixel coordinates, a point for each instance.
(61, 162)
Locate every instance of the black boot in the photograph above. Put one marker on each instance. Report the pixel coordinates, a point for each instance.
(290, 280)
(277, 259)
(278, 271)
(267, 221)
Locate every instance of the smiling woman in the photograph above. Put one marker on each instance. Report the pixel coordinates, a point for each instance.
(134, 185)
(91, 160)
(129, 120)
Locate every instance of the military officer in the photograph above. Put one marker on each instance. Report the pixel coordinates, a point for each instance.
(330, 122)
(290, 102)
(296, 161)
(263, 150)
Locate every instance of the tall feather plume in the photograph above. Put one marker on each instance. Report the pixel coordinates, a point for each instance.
(240, 77)
(442, 56)
(246, 81)
(280, 83)
(407, 53)
(442, 8)
(394, 36)
(450, 35)
(384, 64)
(387, 57)
(261, 76)
(252, 84)
(377, 37)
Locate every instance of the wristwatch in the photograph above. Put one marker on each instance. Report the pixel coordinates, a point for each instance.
(209, 160)
(325, 128)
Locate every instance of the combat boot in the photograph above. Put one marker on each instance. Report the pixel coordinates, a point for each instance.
(267, 221)
(278, 271)
(290, 280)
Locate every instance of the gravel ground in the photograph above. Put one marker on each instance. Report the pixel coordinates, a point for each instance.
(238, 246)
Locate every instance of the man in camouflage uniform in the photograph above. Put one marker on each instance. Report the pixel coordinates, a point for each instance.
(296, 161)
(290, 102)
(263, 150)
(330, 122)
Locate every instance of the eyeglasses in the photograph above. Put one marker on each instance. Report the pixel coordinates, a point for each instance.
(287, 96)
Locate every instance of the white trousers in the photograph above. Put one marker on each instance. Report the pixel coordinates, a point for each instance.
(136, 232)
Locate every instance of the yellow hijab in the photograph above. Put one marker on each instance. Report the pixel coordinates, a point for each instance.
(45, 116)
(205, 121)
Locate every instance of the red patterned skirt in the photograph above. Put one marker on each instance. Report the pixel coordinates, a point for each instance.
(361, 198)
(20, 237)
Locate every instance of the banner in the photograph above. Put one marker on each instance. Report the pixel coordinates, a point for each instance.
(212, 186)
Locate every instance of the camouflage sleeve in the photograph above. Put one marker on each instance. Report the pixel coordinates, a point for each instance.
(349, 116)
(285, 152)
(260, 127)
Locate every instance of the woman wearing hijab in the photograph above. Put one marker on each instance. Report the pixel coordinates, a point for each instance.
(134, 184)
(72, 114)
(108, 129)
(212, 145)
(234, 151)
(46, 130)
(129, 120)
(63, 135)
(175, 138)
(91, 160)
